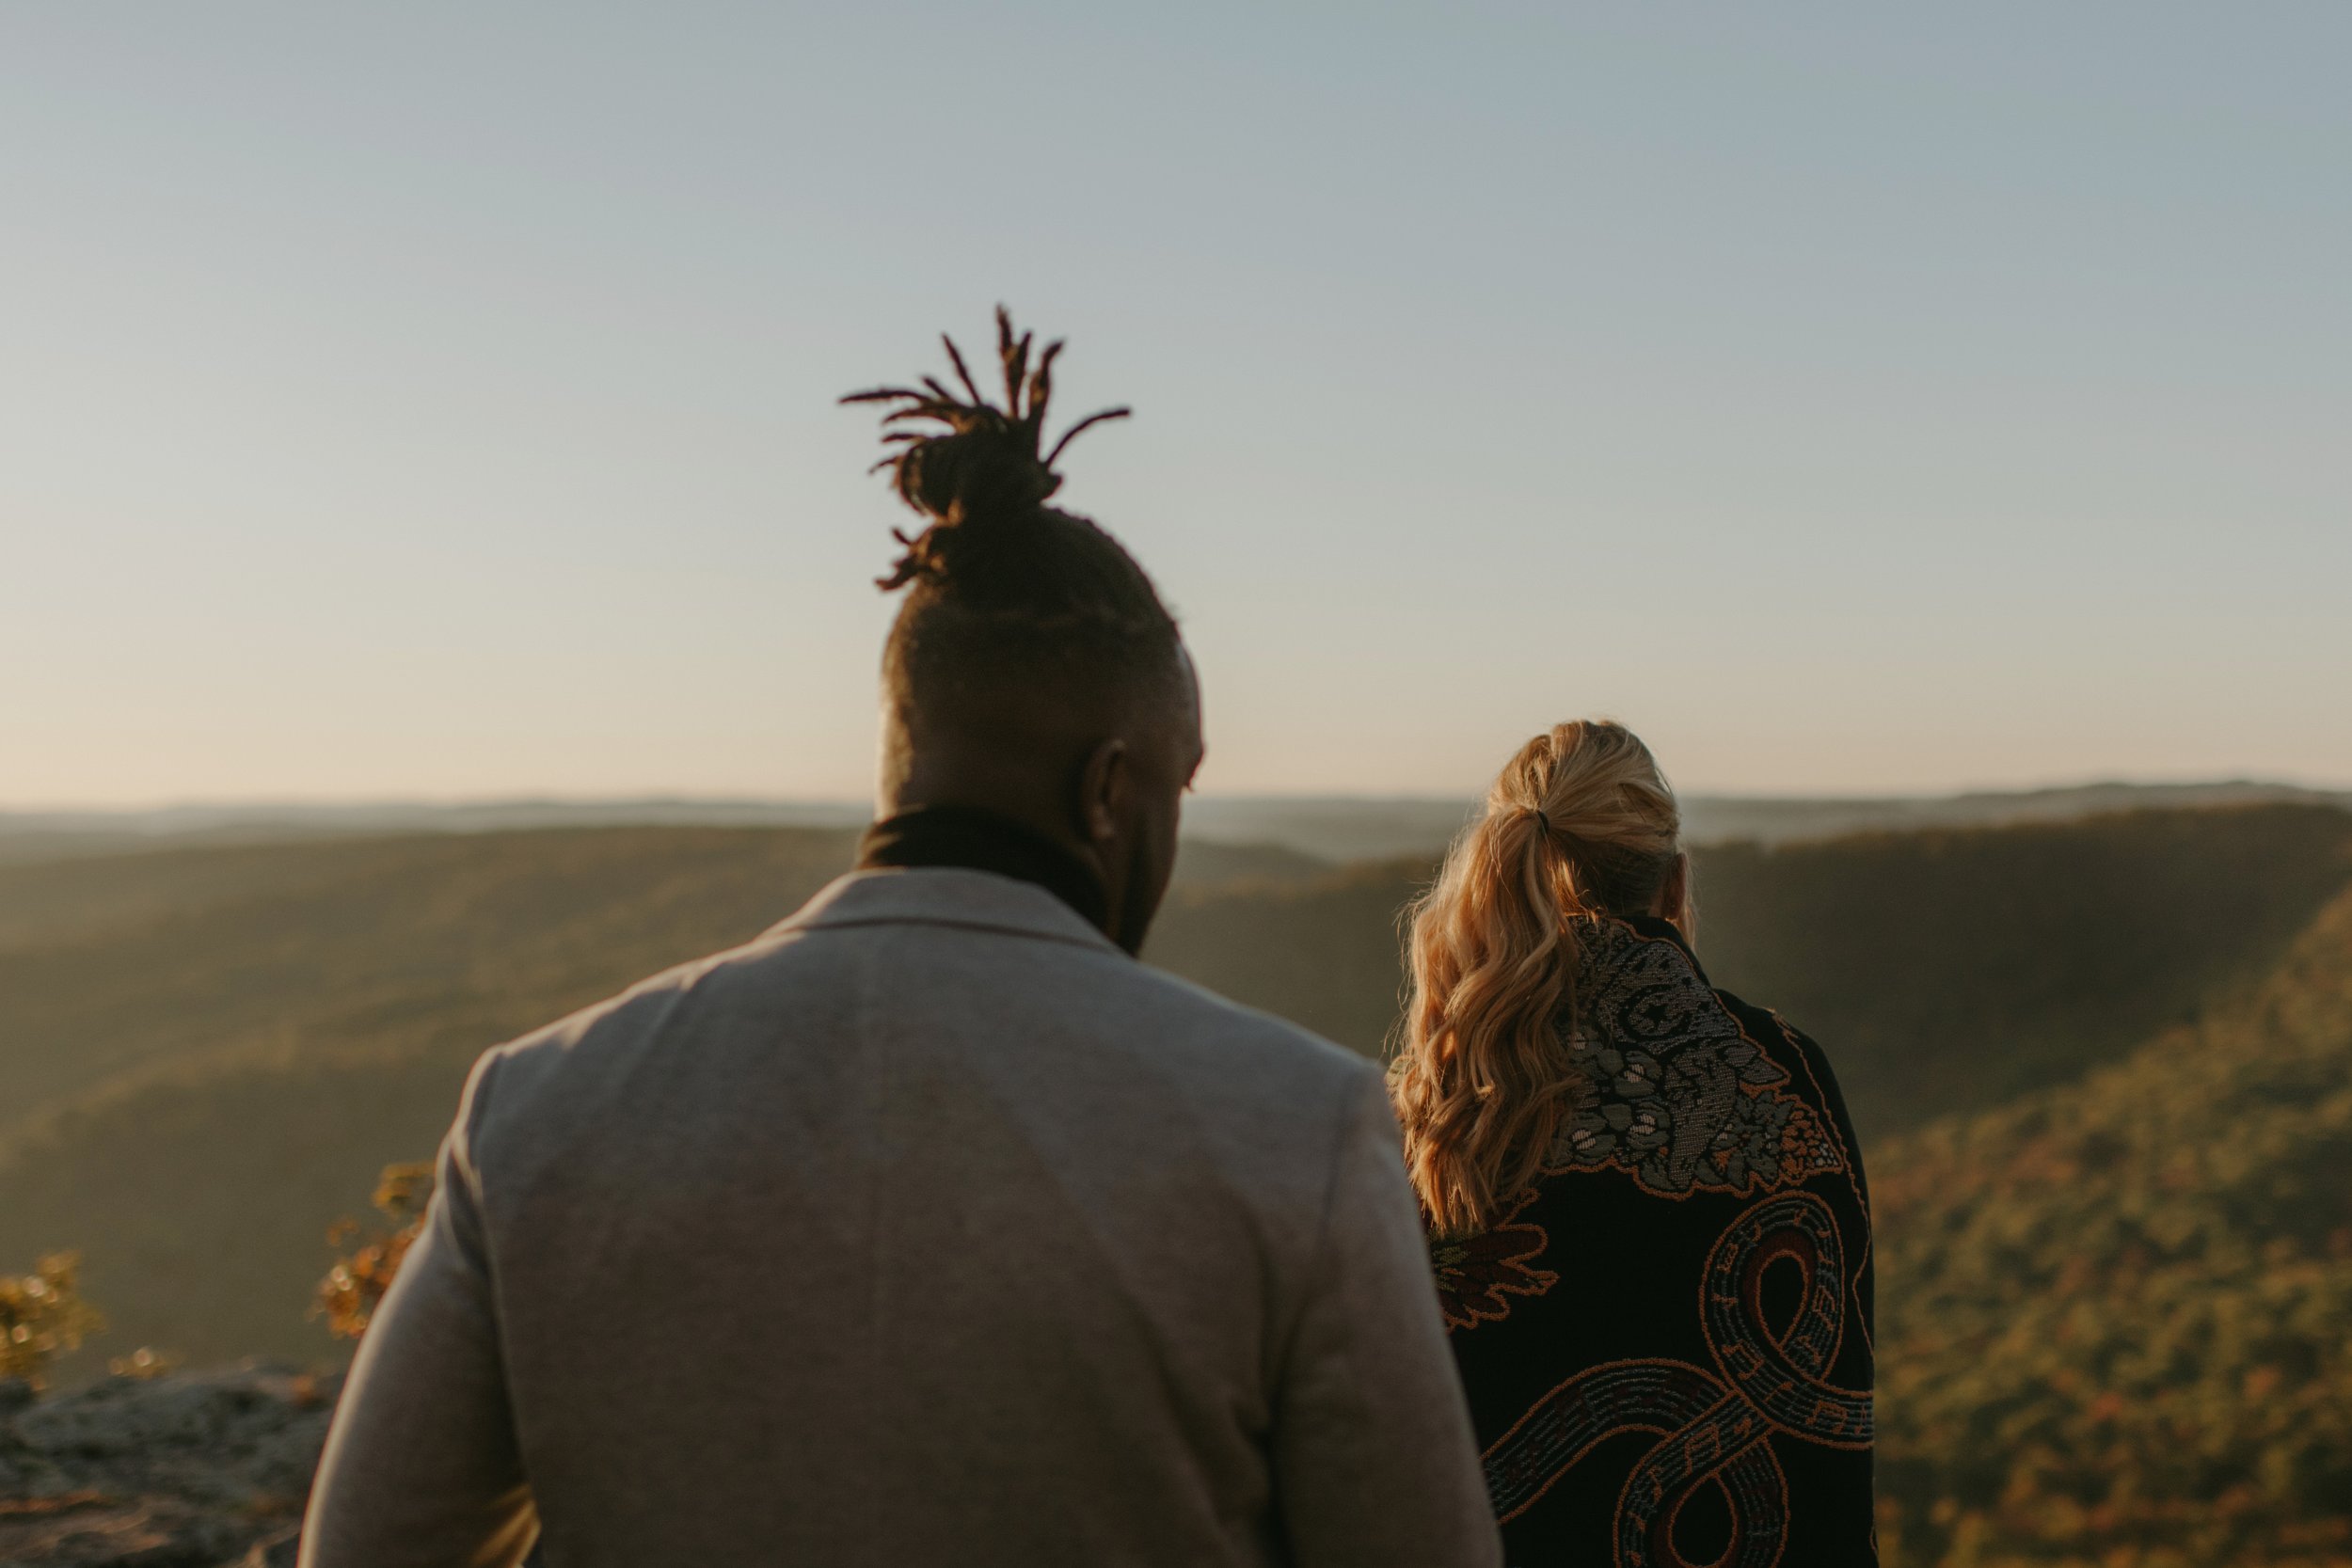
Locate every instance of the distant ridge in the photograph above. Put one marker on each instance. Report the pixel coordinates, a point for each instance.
(1345, 828)
(1763, 819)
(57, 834)
(1330, 827)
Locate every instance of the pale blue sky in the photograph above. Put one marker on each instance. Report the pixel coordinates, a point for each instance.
(437, 400)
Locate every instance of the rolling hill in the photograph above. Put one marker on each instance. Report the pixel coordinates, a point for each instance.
(207, 1052)
(1945, 970)
(1951, 969)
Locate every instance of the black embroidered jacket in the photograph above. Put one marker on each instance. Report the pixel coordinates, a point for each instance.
(1666, 1343)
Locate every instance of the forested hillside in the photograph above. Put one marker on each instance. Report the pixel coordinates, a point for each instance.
(124, 969)
(2116, 1317)
(1947, 970)
(1953, 968)
(209, 1052)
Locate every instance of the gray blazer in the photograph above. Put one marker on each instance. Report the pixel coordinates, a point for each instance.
(928, 1228)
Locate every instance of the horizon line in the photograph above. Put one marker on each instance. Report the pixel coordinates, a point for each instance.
(249, 806)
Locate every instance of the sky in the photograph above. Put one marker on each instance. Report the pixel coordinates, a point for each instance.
(437, 401)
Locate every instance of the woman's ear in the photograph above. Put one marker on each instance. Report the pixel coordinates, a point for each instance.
(1673, 901)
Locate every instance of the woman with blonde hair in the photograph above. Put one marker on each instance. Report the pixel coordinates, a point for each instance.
(1649, 1225)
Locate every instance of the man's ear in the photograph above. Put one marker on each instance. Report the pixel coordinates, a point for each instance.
(1103, 785)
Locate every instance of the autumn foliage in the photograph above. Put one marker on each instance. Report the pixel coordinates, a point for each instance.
(347, 1297)
(2115, 1321)
(41, 1316)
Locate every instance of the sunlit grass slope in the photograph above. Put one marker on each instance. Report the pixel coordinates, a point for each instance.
(2116, 1317)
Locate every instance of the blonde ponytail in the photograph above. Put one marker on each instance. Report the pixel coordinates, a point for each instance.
(1581, 824)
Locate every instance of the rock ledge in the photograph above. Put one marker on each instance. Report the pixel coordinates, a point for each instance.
(194, 1470)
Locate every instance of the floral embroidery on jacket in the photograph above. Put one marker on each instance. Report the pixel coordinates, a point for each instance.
(1673, 1092)
(1476, 1273)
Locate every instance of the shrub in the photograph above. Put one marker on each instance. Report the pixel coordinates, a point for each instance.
(347, 1297)
(42, 1315)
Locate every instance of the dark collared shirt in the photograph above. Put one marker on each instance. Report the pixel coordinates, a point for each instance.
(980, 840)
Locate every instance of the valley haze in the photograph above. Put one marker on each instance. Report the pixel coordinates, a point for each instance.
(1335, 828)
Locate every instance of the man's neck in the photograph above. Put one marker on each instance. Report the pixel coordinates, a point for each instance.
(979, 839)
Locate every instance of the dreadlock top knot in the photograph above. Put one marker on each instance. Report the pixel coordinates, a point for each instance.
(1008, 598)
(987, 465)
(984, 471)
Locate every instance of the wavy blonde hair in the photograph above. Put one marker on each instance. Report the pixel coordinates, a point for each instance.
(1580, 824)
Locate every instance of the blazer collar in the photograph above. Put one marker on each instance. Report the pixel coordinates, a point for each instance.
(945, 896)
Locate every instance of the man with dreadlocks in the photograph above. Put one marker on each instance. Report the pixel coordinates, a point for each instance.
(966, 1238)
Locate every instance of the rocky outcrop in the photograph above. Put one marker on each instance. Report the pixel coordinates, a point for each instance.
(194, 1470)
